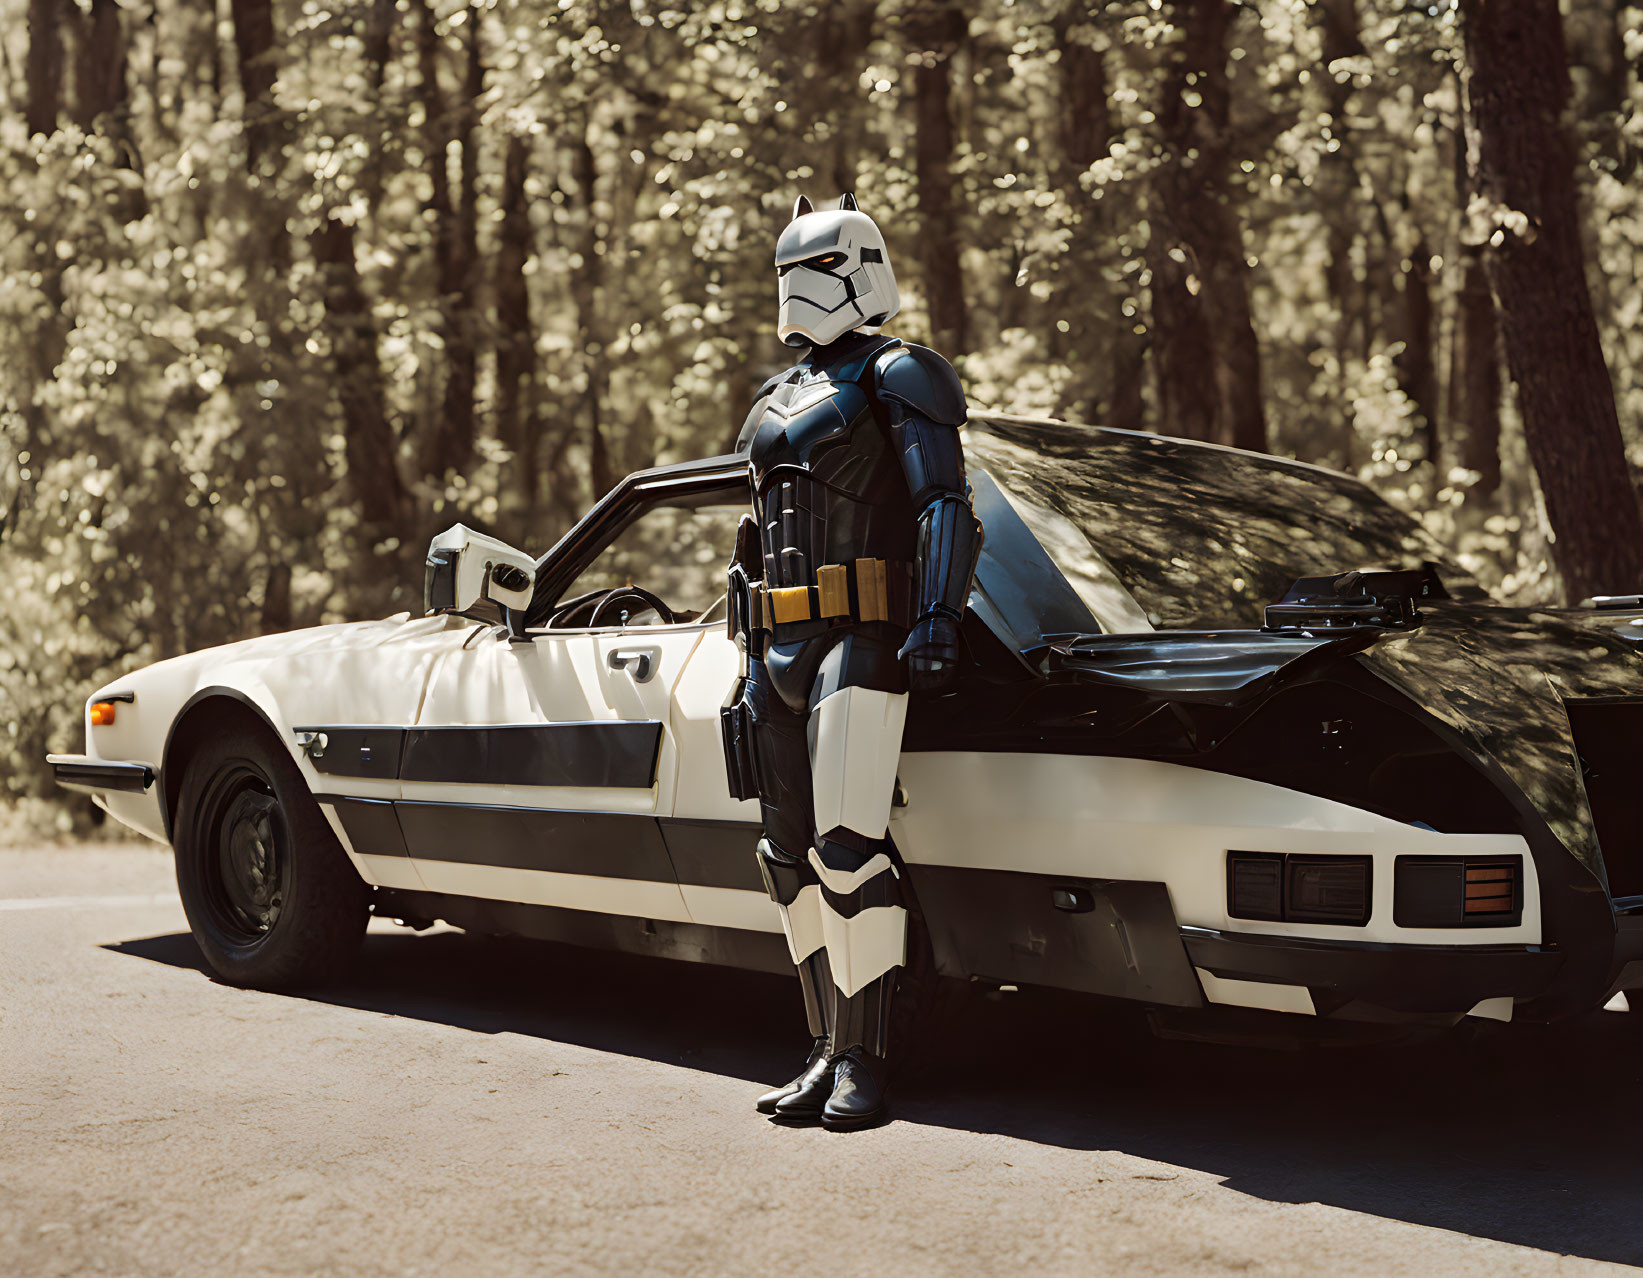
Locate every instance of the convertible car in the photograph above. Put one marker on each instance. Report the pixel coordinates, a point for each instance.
(1234, 741)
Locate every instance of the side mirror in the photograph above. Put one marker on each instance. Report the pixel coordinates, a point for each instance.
(465, 567)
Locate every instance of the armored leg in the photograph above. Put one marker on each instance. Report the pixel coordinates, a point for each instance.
(792, 886)
(855, 743)
(781, 762)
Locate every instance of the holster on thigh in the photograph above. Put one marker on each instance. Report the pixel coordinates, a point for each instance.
(736, 728)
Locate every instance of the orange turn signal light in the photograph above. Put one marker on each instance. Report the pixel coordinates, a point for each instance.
(102, 713)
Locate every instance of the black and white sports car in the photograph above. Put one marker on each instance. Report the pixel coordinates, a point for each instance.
(1234, 734)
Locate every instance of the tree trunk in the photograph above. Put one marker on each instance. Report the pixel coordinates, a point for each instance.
(380, 22)
(276, 600)
(517, 425)
(253, 48)
(370, 447)
(842, 32)
(459, 416)
(1085, 121)
(266, 246)
(1522, 165)
(1126, 405)
(587, 287)
(44, 66)
(1474, 376)
(1084, 130)
(1183, 351)
(1338, 181)
(1474, 397)
(1417, 371)
(934, 29)
(450, 440)
(1196, 251)
(43, 73)
(99, 64)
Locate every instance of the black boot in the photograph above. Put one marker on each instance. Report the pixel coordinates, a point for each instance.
(858, 1096)
(806, 1093)
(802, 1107)
(816, 1068)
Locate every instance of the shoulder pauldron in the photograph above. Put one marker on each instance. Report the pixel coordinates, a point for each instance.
(919, 378)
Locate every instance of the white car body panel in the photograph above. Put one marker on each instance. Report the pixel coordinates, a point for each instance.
(1084, 816)
(360, 672)
(1089, 818)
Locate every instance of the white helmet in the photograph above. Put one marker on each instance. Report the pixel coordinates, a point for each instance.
(834, 275)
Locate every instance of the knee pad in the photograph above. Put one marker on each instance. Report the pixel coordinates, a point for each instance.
(784, 876)
(792, 886)
(845, 863)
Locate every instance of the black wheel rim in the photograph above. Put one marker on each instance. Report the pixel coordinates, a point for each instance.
(247, 866)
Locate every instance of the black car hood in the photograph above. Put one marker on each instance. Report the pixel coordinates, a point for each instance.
(1500, 677)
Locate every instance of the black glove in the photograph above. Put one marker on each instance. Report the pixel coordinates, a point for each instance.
(932, 653)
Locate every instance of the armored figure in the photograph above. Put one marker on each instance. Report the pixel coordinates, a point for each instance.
(847, 590)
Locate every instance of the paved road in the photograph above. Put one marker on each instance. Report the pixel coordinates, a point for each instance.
(460, 1104)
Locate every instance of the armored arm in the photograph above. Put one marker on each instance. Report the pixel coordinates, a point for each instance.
(926, 407)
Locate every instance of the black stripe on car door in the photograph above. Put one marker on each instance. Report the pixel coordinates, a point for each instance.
(615, 754)
(370, 824)
(714, 853)
(620, 845)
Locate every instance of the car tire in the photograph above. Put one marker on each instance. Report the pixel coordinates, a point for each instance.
(271, 897)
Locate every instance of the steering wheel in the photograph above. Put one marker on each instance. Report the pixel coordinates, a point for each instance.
(624, 593)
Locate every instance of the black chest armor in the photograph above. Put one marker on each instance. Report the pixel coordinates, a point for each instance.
(828, 486)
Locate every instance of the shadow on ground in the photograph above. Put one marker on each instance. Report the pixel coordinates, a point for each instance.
(1517, 1133)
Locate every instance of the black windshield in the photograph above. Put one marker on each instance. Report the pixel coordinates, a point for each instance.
(1202, 537)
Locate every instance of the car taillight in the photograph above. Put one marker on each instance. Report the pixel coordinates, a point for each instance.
(1436, 891)
(1299, 889)
(1255, 885)
(1327, 889)
(1490, 888)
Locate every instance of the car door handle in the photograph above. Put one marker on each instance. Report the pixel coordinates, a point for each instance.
(641, 660)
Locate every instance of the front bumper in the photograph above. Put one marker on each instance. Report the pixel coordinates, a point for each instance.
(1396, 978)
(99, 776)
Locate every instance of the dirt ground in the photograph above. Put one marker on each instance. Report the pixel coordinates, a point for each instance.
(463, 1104)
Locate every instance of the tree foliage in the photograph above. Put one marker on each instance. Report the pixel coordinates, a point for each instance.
(288, 285)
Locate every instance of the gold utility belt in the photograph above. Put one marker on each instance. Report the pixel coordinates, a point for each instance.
(863, 590)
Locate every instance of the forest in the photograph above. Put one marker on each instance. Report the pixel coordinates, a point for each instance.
(286, 286)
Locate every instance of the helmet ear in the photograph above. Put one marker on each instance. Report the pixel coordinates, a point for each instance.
(848, 201)
(801, 206)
